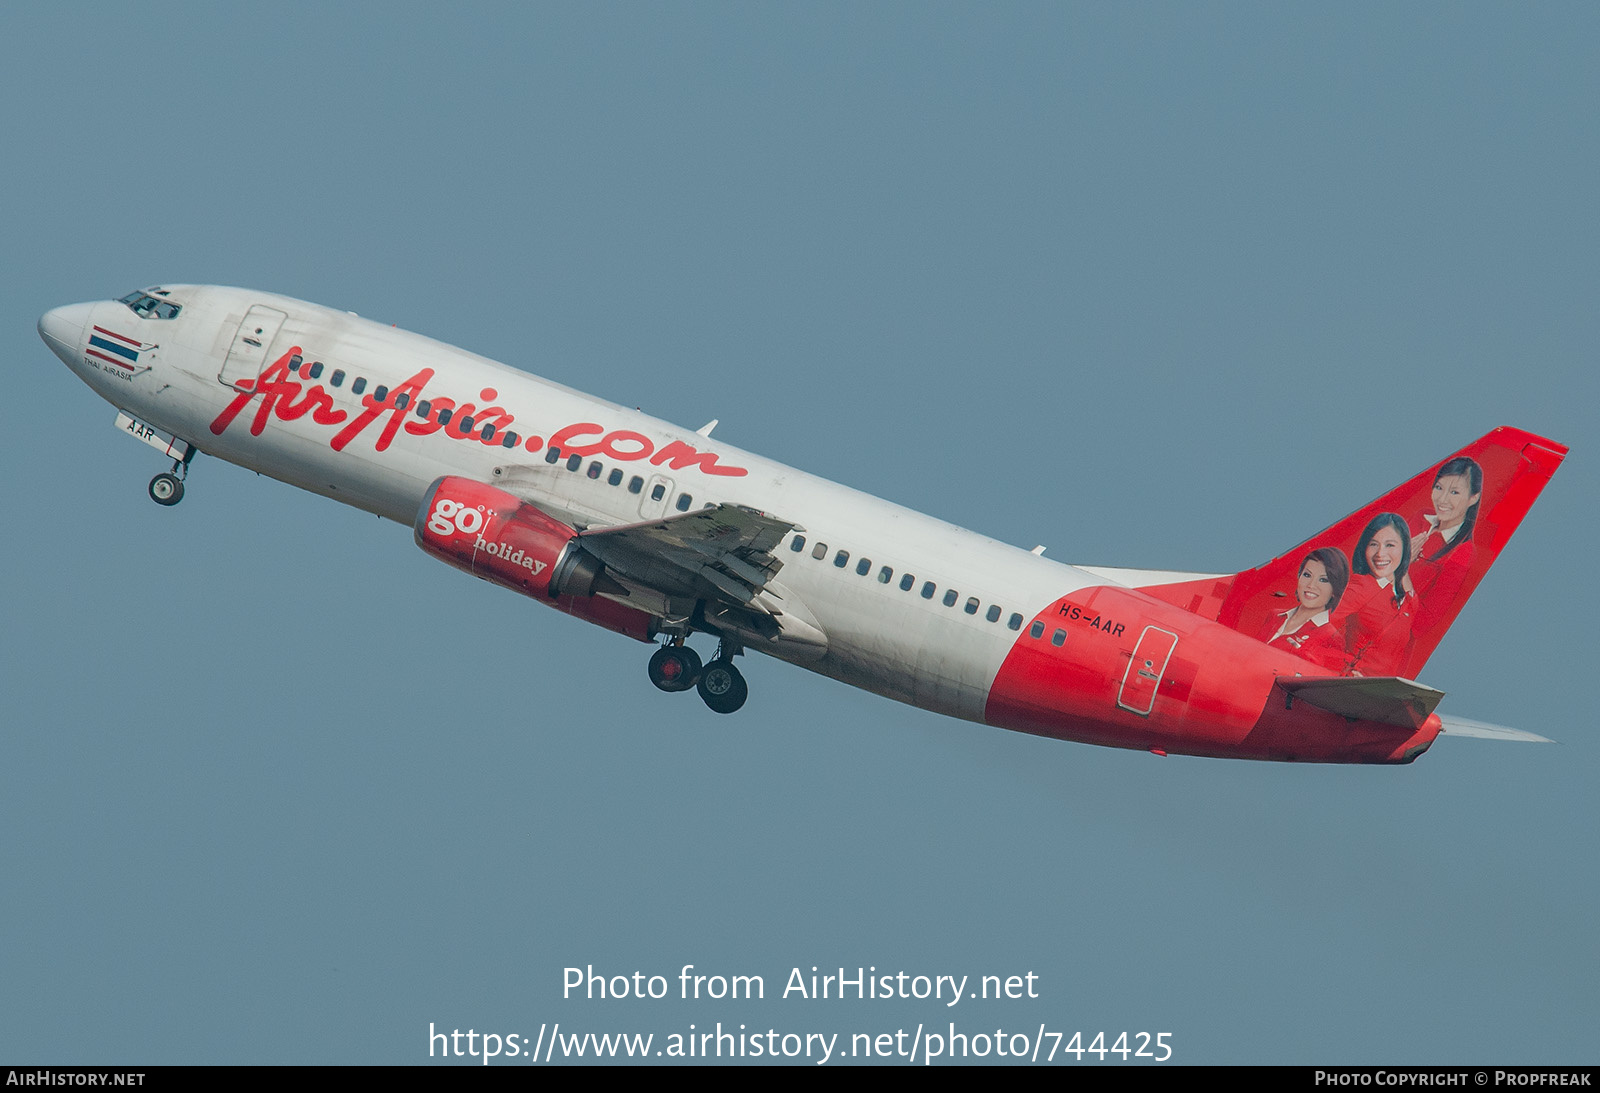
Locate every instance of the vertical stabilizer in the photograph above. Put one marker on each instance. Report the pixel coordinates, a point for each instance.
(1373, 594)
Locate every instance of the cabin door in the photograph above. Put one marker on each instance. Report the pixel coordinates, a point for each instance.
(247, 356)
(1143, 676)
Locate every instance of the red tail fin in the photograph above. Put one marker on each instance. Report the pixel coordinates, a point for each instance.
(1398, 570)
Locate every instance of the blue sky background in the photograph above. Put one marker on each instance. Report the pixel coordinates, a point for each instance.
(1160, 285)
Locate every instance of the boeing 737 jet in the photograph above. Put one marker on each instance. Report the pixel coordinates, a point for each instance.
(660, 533)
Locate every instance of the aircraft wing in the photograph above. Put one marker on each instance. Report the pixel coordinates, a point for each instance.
(724, 551)
(722, 556)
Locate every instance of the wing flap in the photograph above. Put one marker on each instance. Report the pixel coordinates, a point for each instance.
(722, 558)
(721, 553)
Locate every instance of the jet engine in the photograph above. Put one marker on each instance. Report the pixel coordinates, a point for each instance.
(491, 534)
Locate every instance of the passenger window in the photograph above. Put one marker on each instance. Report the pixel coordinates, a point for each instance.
(684, 501)
(1034, 631)
(444, 415)
(658, 492)
(424, 408)
(1015, 622)
(488, 431)
(551, 455)
(799, 544)
(401, 401)
(337, 378)
(885, 574)
(381, 393)
(863, 567)
(574, 462)
(972, 605)
(993, 614)
(906, 581)
(315, 370)
(820, 551)
(358, 385)
(928, 590)
(950, 597)
(466, 425)
(635, 484)
(509, 440)
(295, 362)
(841, 559)
(1058, 638)
(595, 469)
(615, 477)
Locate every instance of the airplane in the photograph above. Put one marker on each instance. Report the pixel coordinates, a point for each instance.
(659, 533)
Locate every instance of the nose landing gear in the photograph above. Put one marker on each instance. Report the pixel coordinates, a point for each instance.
(166, 489)
(722, 687)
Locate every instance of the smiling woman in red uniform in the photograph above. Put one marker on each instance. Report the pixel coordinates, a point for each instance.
(1442, 548)
(1306, 629)
(1375, 612)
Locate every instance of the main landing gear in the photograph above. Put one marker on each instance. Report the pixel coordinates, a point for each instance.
(674, 668)
(722, 686)
(677, 667)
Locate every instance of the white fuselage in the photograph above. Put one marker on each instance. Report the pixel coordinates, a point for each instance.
(935, 651)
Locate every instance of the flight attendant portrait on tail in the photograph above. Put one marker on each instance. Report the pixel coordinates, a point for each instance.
(1442, 549)
(1376, 612)
(1307, 629)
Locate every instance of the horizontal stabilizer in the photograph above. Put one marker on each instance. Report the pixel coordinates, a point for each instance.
(1386, 700)
(1460, 726)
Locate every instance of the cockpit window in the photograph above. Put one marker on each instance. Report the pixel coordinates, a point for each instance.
(150, 305)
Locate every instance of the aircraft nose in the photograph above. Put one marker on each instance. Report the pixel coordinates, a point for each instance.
(62, 330)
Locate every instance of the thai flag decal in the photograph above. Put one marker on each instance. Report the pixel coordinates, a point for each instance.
(119, 350)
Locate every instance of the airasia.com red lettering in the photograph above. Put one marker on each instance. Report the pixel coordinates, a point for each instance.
(626, 436)
(375, 409)
(279, 394)
(680, 455)
(559, 438)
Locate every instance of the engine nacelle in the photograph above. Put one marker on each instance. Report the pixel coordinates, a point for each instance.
(493, 535)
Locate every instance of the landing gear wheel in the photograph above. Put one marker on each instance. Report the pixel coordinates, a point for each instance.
(166, 489)
(722, 687)
(674, 668)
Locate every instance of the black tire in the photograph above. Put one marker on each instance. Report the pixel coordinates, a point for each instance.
(166, 489)
(674, 668)
(722, 687)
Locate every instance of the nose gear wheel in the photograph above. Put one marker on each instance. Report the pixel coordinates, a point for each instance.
(166, 489)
